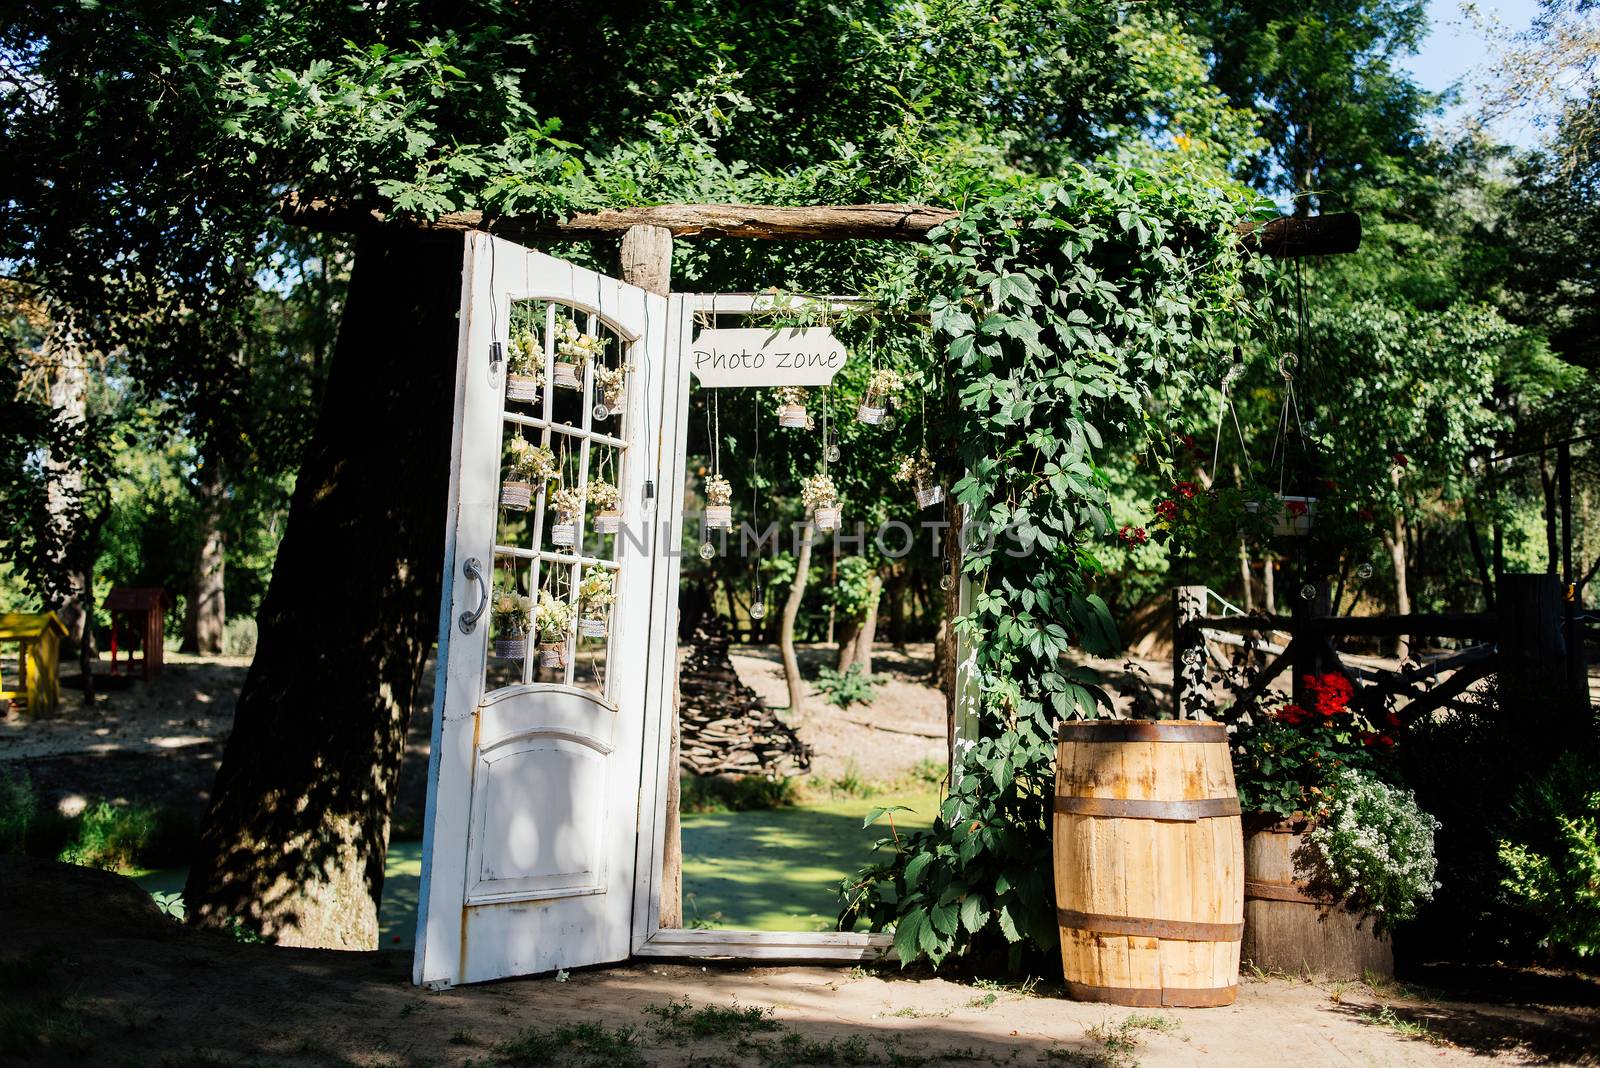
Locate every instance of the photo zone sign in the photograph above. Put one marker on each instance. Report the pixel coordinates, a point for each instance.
(783, 356)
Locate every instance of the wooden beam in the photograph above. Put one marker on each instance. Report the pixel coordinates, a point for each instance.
(1291, 236)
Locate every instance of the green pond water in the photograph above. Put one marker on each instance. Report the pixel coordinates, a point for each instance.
(767, 870)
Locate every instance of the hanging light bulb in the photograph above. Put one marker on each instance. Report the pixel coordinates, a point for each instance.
(945, 582)
(1194, 658)
(888, 422)
(707, 550)
(831, 453)
(1364, 571)
(1307, 592)
(758, 609)
(601, 412)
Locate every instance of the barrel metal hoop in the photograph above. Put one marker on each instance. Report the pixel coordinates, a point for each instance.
(1259, 891)
(1153, 998)
(1129, 808)
(1141, 730)
(1142, 927)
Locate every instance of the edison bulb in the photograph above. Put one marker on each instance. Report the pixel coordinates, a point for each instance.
(758, 610)
(707, 550)
(831, 454)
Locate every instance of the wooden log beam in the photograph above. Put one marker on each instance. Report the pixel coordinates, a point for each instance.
(1430, 624)
(1290, 236)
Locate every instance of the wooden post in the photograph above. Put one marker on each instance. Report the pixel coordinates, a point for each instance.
(646, 262)
(1532, 654)
(1577, 668)
(1189, 693)
(1311, 657)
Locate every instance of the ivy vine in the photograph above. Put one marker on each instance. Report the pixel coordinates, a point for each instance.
(1063, 304)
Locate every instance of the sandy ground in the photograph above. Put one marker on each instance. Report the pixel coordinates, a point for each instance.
(95, 975)
(880, 742)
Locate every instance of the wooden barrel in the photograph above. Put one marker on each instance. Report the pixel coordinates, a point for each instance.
(1149, 860)
(1289, 929)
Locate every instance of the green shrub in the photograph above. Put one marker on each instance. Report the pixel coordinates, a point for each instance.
(735, 793)
(239, 637)
(1553, 859)
(18, 810)
(1372, 846)
(844, 690)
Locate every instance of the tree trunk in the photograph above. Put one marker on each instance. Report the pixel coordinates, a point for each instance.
(791, 611)
(1249, 601)
(869, 627)
(67, 542)
(847, 630)
(206, 613)
(1269, 585)
(1395, 541)
(1552, 543)
(293, 843)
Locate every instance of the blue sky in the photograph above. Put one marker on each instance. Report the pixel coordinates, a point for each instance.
(1456, 50)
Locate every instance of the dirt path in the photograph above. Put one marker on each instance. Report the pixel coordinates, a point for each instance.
(92, 974)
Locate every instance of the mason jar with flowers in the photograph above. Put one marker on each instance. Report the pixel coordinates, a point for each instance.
(883, 390)
(525, 368)
(719, 503)
(792, 401)
(596, 595)
(574, 349)
(917, 470)
(821, 498)
(611, 384)
(1332, 839)
(510, 612)
(528, 468)
(552, 621)
(567, 503)
(607, 502)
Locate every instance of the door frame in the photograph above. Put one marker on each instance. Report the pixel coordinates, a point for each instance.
(650, 939)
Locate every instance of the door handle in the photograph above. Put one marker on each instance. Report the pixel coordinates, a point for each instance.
(474, 570)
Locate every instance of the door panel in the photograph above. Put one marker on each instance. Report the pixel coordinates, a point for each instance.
(534, 777)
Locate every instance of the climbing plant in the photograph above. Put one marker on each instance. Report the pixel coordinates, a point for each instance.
(1062, 302)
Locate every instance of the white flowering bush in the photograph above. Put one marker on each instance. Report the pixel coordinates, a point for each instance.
(718, 491)
(886, 383)
(916, 469)
(610, 380)
(1372, 848)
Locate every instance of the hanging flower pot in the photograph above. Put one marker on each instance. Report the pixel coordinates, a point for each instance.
(719, 507)
(1296, 515)
(607, 500)
(592, 627)
(883, 389)
(517, 496)
(792, 407)
(527, 467)
(553, 622)
(611, 386)
(513, 647)
(822, 498)
(510, 614)
(918, 470)
(573, 349)
(568, 506)
(525, 369)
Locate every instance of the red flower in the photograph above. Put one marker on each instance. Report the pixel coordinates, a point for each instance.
(1293, 715)
(1366, 514)
(1295, 508)
(1330, 693)
(1400, 458)
(1186, 490)
(1167, 510)
(1386, 741)
(1133, 535)
(1329, 484)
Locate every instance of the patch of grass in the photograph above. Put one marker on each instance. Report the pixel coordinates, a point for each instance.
(983, 1001)
(681, 1020)
(1119, 1043)
(736, 793)
(116, 837)
(463, 1038)
(1400, 1025)
(848, 688)
(36, 1013)
(928, 770)
(1384, 987)
(851, 783)
(581, 1045)
(911, 1012)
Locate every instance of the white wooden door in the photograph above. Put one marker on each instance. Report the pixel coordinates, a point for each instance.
(529, 852)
